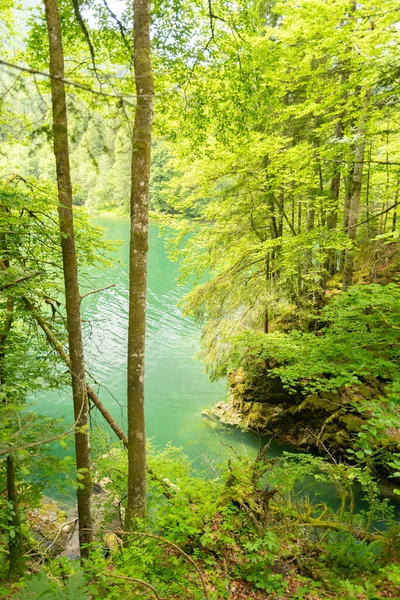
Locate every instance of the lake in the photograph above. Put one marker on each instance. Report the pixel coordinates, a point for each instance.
(176, 387)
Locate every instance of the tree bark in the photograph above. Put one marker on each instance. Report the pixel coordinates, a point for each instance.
(332, 216)
(16, 557)
(356, 187)
(346, 208)
(396, 198)
(138, 248)
(70, 267)
(15, 553)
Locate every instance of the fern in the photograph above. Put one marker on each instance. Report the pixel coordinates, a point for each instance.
(41, 588)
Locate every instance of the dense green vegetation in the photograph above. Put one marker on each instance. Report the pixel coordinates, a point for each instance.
(276, 168)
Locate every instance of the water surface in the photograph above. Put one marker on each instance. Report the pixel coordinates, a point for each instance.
(176, 387)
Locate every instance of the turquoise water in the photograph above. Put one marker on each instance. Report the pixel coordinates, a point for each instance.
(176, 388)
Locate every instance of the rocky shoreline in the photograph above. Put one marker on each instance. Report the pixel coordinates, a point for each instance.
(327, 423)
(54, 529)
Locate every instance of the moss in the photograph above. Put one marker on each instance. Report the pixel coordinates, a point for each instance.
(351, 422)
(365, 391)
(313, 422)
(316, 402)
(339, 440)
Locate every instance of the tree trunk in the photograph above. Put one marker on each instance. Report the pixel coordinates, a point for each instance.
(138, 247)
(15, 552)
(266, 309)
(396, 198)
(70, 267)
(332, 216)
(356, 187)
(308, 253)
(346, 209)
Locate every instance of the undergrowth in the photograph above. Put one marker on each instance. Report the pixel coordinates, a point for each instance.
(250, 531)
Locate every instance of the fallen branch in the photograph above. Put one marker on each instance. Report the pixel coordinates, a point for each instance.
(133, 579)
(164, 541)
(59, 348)
(366, 536)
(46, 550)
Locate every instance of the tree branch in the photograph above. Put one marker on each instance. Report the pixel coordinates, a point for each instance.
(133, 579)
(20, 279)
(120, 26)
(376, 215)
(361, 162)
(107, 287)
(122, 99)
(85, 32)
(161, 539)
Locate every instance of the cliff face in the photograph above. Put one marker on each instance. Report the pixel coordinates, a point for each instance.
(327, 423)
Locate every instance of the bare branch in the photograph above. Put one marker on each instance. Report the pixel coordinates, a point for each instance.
(122, 99)
(11, 449)
(361, 162)
(377, 215)
(161, 539)
(85, 31)
(120, 26)
(133, 579)
(107, 287)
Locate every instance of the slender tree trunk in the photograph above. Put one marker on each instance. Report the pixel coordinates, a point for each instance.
(396, 197)
(346, 209)
(356, 187)
(368, 189)
(15, 551)
(70, 267)
(141, 150)
(293, 211)
(332, 216)
(266, 309)
(281, 209)
(310, 222)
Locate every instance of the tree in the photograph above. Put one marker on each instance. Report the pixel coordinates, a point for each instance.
(356, 187)
(16, 560)
(138, 248)
(273, 169)
(70, 270)
(25, 256)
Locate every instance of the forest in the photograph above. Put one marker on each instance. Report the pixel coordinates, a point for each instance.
(199, 299)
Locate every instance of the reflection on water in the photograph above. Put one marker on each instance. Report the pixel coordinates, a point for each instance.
(177, 390)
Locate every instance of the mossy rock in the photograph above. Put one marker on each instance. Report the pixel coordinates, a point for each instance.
(317, 403)
(351, 422)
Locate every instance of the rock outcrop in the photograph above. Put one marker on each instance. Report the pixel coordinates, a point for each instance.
(327, 422)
